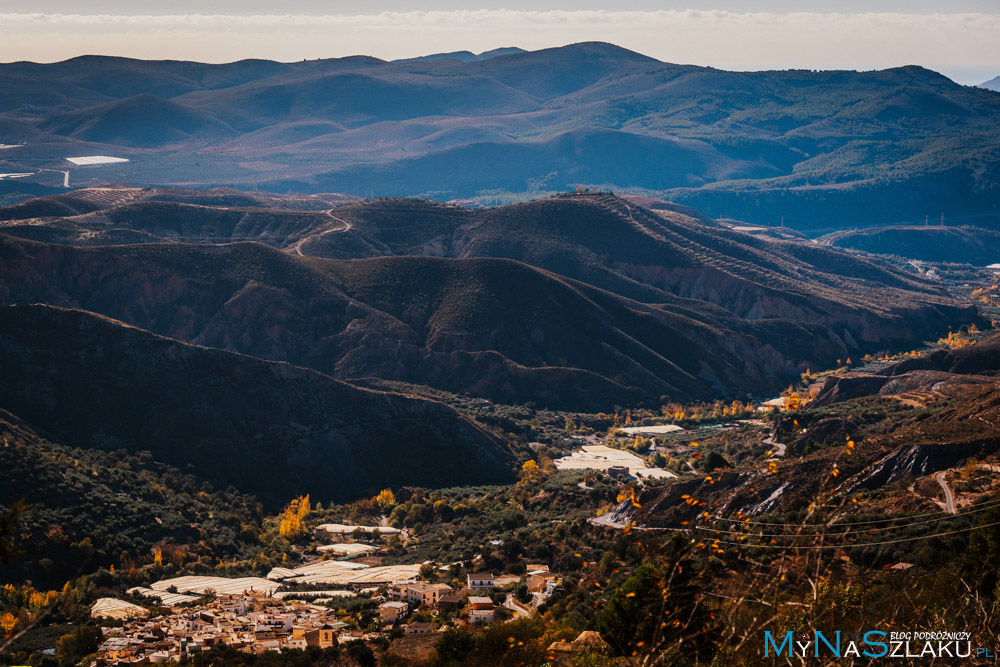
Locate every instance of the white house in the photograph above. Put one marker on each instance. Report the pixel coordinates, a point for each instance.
(480, 580)
(480, 610)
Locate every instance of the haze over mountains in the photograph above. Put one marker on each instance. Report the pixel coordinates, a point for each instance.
(820, 150)
(601, 330)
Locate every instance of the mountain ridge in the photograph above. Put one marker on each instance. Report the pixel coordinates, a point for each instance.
(992, 84)
(120, 386)
(824, 149)
(577, 301)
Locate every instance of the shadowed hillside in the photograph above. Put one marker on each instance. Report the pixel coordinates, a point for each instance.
(961, 245)
(269, 429)
(488, 327)
(90, 506)
(673, 257)
(578, 302)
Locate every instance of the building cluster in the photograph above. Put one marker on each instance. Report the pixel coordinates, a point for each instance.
(471, 604)
(258, 619)
(250, 622)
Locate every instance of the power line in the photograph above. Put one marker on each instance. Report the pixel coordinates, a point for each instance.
(864, 544)
(865, 530)
(860, 523)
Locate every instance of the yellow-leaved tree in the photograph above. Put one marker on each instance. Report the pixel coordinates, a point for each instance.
(530, 470)
(8, 621)
(291, 525)
(385, 499)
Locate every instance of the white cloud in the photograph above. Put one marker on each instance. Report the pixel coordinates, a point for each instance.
(755, 40)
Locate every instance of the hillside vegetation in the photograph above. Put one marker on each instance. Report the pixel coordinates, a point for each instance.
(265, 428)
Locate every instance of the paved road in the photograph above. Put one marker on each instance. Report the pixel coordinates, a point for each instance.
(949, 497)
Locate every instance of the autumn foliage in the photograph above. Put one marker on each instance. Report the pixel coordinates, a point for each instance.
(291, 525)
(385, 499)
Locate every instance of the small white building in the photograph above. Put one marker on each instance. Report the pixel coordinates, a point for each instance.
(419, 628)
(273, 622)
(480, 610)
(480, 580)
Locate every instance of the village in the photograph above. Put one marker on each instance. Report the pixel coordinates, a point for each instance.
(277, 612)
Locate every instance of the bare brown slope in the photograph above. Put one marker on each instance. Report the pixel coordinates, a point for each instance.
(713, 272)
(487, 327)
(758, 311)
(915, 418)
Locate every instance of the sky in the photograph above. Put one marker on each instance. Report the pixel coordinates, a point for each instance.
(960, 38)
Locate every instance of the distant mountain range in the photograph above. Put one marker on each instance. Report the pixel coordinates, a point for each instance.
(464, 56)
(820, 150)
(576, 302)
(992, 84)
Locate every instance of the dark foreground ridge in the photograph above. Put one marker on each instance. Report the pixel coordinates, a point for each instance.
(266, 428)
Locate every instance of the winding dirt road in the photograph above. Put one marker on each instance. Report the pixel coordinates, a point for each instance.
(949, 497)
(297, 246)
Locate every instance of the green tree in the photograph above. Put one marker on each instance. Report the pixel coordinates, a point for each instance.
(660, 605)
(454, 647)
(714, 461)
(9, 521)
(361, 654)
(634, 611)
(72, 647)
(982, 563)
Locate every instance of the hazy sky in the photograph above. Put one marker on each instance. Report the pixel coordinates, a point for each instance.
(960, 38)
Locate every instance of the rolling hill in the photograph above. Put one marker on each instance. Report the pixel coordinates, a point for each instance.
(465, 56)
(486, 327)
(580, 302)
(823, 150)
(92, 506)
(142, 121)
(269, 429)
(960, 245)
